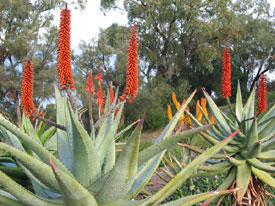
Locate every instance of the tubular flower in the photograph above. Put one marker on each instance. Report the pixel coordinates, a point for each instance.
(182, 116)
(99, 76)
(198, 111)
(64, 51)
(99, 95)
(212, 120)
(90, 84)
(131, 87)
(175, 101)
(183, 102)
(111, 92)
(203, 105)
(262, 94)
(226, 74)
(188, 119)
(169, 111)
(27, 90)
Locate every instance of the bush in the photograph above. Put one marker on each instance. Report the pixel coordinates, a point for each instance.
(155, 120)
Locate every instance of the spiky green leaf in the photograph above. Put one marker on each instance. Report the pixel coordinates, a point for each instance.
(72, 191)
(190, 169)
(122, 176)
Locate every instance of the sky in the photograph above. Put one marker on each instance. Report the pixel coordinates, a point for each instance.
(85, 24)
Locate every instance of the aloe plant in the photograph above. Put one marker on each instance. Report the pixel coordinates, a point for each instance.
(9, 166)
(84, 171)
(249, 158)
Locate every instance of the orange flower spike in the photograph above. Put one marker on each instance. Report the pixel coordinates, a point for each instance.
(262, 94)
(111, 92)
(27, 90)
(198, 111)
(99, 76)
(175, 101)
(226, 74)
(131, 87)
(203, 105)
(64, 51)
(212, 120)
(188, 119)
(90, 84)
(169, 111)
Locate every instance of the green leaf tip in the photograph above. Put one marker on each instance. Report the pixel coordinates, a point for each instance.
(141, 121)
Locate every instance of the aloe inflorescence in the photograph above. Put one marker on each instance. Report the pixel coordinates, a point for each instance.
(64, 51)
(131, 88)
(27, 89)
(262, 94)
(226, 74)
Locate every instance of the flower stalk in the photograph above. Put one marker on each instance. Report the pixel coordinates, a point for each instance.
(90, 88)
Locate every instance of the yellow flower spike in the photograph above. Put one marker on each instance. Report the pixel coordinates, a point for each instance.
(169, 111)
(182, 116)
(188, 119)
(212, 120)
(203, 105)
(198, 111)
(175, 101)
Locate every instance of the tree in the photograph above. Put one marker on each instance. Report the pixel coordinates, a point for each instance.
(26, 32)
(184, 40)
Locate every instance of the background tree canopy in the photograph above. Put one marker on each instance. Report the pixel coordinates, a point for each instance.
(26, 31)
(184, 39)
(180, 49)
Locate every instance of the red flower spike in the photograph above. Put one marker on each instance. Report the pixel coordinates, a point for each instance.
(226, 74)
(64, 51)
(27, 90)
(90, 84)
(262, 94)
(111, 92)
(131, 87)
(99, 76)
(99, 95)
